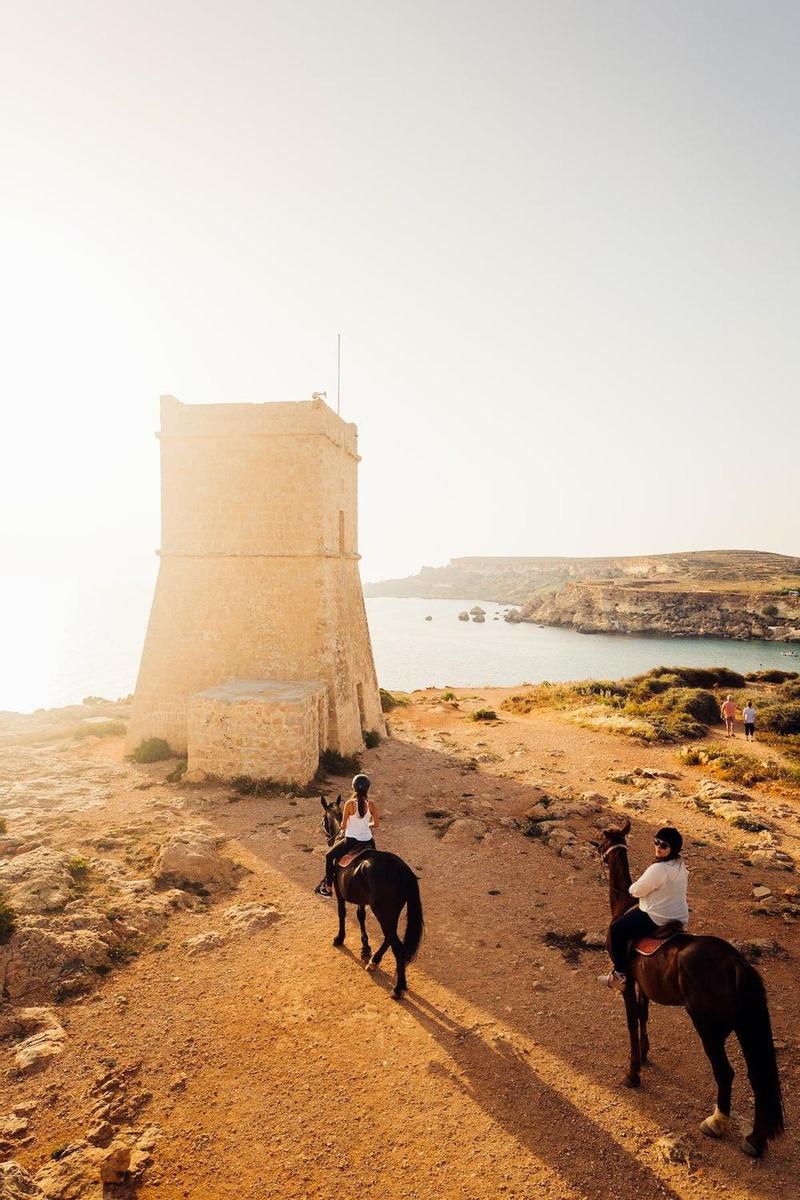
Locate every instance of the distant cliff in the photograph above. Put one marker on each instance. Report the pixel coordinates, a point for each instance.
(716, 593)
(667, 609)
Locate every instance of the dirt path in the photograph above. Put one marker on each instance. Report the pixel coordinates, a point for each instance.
(276, 1067)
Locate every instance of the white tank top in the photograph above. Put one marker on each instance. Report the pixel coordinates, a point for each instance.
(358, 827)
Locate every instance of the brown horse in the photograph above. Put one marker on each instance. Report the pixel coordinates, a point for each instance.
(384, 883)
(720, 991)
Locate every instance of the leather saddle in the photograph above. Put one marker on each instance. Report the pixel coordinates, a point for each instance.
(347, 860)
(653, 942)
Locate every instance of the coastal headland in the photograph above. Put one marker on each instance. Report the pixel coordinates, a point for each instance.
(739, 594)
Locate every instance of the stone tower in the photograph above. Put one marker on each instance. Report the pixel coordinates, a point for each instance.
(258, 603)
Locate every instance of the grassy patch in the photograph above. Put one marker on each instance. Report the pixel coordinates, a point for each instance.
(154, 749)
(390, 700)
(448, 695)
(8, 920)
(483, 714)
(333, 763)
(248, 785)
(100, 729)
(372, 739)
(667, 704)
(737, 767)
(177, 775)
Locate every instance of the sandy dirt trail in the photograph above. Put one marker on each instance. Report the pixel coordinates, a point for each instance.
(276, 1067)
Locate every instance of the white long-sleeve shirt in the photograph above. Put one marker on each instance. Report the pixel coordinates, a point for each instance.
(661, 891)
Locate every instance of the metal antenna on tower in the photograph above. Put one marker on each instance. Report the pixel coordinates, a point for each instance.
(338, 371)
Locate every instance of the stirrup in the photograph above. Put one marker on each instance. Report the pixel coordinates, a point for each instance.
(614, 980)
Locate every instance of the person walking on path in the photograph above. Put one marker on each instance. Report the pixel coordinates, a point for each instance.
(728, 714)
(749, 718)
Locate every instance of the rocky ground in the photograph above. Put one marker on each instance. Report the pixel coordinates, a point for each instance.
(176, 1023)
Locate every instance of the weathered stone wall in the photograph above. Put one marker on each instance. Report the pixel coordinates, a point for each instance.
(259, 570)
(264, 729)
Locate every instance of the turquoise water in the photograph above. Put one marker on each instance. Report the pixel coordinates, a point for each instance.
(62, 641)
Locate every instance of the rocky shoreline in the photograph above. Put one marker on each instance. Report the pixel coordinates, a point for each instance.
(739, 594)
(627, 609)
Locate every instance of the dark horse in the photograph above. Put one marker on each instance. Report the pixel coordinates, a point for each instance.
(720, 991)
(385, 883)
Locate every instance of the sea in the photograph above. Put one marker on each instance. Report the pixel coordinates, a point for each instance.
(63, 641)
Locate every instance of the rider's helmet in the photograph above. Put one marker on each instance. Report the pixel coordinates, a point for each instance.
(361, 784)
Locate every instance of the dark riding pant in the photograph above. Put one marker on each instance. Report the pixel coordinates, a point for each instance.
(631, 925)
(339, 850)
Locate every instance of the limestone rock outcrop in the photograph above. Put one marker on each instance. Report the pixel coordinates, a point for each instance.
(189, 858)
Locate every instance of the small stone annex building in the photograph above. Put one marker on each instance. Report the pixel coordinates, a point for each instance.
(257, 655)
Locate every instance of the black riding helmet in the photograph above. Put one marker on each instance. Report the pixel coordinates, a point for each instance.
(361, 784)
(673, 839)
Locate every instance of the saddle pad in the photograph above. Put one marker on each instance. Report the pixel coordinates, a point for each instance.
(649, 945)
(347, 859)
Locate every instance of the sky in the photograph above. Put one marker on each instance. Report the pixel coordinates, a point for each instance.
(559, 240)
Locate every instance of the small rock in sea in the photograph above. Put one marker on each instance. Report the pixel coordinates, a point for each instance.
(429, 618)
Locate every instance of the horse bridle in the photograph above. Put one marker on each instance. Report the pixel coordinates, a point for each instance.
(607, 851)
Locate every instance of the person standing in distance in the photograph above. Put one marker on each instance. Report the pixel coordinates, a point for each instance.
(728, 714)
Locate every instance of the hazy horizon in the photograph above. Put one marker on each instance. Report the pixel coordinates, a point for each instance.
(559, 241)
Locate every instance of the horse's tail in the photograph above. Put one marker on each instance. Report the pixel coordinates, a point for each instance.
(414, 919)
(754, 1031)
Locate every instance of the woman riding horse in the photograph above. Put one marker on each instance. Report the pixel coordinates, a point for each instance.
(661, 892)
(359, 818)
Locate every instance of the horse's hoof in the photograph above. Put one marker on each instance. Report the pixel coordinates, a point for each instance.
(337, 941)
(395, 994)
(366, 955)
(715, 1125)
(747, 1147)
(370, 966)
(630, 1081)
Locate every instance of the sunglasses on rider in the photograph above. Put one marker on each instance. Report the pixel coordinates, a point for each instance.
(662, 845)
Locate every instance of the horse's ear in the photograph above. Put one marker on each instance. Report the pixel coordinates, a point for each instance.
(626, 828)
(323, 802)
(339, 801)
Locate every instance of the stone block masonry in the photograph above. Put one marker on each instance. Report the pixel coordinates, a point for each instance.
(266, 729)
(259, 575)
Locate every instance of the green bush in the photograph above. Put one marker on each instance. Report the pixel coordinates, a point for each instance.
(78, 867)
(697, 703)
(372, 738)
(333, 763)
(701, 677)
(8, 920)
(448, 695)
(780, 718)
(773, 675)
(390, 701)
(483, 714)
(790, 690)
(152, 750)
